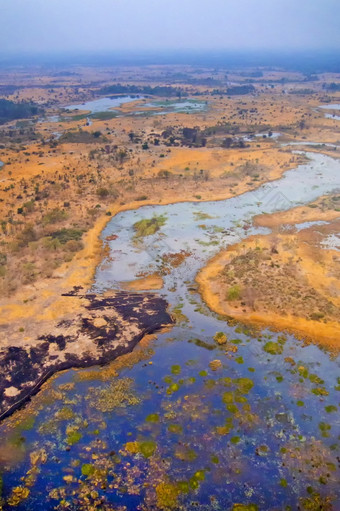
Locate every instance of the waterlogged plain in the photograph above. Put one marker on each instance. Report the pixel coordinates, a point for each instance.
(200, 421)
(210, 415)
(109, 107)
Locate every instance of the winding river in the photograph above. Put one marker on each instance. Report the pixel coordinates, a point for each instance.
(187, 423)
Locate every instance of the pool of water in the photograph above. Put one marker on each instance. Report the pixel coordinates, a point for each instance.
(194, 420)
(177, 106)
(102, 104)
(335, 106)
(331, 107)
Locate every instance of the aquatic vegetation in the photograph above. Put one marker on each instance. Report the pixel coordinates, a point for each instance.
(176, 369)
(152, 417)
(148, 226)
(220, 338)
(189, 428)
(73, 437)
(178, 315)
(173, 260)
(19, 494)
(200, 216)
(245, 507)
(215, 365)
(331, 408)
(175, 428)
(167, 495)
(274, 348)
(87, 469)
(184, 453)
(65, 414)
(118, 394)
(147, 448)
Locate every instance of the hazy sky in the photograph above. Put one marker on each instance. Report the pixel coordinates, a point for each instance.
(76, 25)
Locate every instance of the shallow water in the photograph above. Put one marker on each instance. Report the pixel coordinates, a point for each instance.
(177, 106)
(176, 429)
(103, 104)
(331, 107)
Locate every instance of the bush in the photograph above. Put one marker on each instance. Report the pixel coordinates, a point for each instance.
(27, 236)
(65, 235)
(73, 245)
(54, 216)
(234, 293)
(103, 192)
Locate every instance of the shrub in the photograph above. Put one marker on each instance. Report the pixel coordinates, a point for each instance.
(103, 192)
(234, 293)
(74, 245)
(54, 216)
(65, 235)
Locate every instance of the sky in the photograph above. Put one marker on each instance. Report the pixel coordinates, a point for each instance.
(104, 25)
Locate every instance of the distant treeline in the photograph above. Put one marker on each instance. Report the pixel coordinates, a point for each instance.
(239, 90)
(332, 87)
(10, 111)
(143, 89)
(166, 91)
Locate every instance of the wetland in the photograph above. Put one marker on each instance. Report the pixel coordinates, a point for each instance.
(184, 347)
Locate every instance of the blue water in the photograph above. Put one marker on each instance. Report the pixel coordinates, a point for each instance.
(103, 104)
(252, 428)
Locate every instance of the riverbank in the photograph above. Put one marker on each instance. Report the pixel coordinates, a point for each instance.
(287, 280)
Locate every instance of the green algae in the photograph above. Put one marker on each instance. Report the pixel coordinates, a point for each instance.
(231, 408)
(203, 373)
(73, 437)
(147, 448)
(228, 397)
(320, 391)
(174, 387)
(183, 486)
(87, 469)
(314, 378)
(176, 369)
(235, 440)
(175, 428)
(331, 408)
(202, 344)
(273, 348)
(245, 507)
(244, 385)
(152, 417)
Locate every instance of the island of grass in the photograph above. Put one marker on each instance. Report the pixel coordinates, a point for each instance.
(288, 279)
(148, 226)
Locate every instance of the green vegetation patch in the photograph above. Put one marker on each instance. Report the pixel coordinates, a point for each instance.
(273, 348)
(148, 226)
(64, 235)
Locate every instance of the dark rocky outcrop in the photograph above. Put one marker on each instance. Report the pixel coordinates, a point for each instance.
(108, 327)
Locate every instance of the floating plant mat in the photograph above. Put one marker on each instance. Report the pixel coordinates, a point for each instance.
(208, 415)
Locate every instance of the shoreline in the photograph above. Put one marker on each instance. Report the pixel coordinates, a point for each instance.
(79, 273)
(326, 335)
